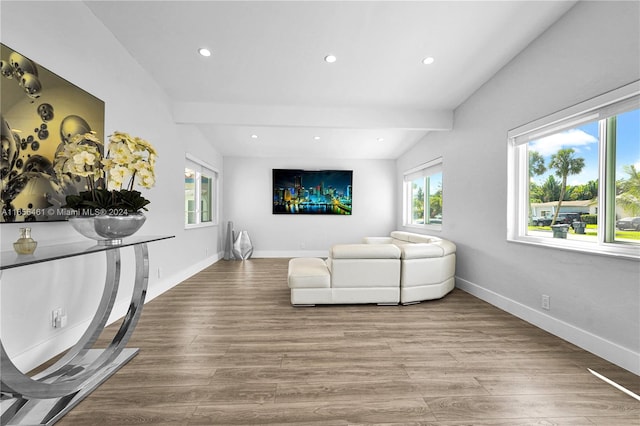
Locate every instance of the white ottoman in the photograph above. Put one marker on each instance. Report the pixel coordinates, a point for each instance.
(309, 280)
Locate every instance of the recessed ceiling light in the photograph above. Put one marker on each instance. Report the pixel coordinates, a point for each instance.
(428, 60)
(380, 139)
(254, 136)
(204, 52)
(317, 138)
(330, 59)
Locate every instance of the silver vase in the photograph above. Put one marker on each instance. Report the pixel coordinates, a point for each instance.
(107, 229)
(228, 242)
(242, 247)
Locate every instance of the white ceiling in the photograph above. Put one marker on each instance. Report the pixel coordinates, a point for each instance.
(267, 76)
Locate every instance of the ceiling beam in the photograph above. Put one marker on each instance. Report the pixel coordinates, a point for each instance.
(304, 116)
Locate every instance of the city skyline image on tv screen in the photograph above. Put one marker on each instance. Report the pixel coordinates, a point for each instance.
(325, 192)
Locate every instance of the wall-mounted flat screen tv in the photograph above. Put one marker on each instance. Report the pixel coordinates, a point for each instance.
(298, 191)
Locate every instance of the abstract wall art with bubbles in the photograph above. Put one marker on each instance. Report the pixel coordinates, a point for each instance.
(39, 113)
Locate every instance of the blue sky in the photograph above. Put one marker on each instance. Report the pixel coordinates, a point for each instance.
(584, 140)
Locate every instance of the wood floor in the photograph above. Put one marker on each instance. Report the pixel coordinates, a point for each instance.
(226, 348)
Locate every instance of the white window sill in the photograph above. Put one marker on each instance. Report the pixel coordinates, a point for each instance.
(618, 250)
(200, 225)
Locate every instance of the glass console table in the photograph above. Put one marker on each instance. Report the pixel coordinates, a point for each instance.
(47, 396)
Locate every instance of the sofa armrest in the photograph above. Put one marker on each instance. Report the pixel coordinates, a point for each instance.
(421, 250)
(364, 251)
(424, 250)
(420, 238)
(377, 240)
(447, 246)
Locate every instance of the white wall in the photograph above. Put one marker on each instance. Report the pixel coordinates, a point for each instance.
(248, 194)
(66, 38)
(595, 300)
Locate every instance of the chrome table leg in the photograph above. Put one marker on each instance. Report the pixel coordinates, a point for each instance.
(45, 397)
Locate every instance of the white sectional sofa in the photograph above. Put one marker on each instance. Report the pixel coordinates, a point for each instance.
(404, 267)
(428, 265)
(353, 273)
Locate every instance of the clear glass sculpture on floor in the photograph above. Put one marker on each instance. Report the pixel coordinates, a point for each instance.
(242, 247)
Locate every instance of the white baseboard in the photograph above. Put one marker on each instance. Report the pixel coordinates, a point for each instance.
(612, 352)
(68, 337)
(162, 286)
(45, 350)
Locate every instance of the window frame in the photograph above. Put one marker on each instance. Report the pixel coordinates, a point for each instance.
(424, 170)
(202, 168)
(597, 109)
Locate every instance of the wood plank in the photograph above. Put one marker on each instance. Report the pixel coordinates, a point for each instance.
(532, 406)
(405, 410)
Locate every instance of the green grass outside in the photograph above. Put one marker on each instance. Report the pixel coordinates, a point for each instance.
(591, 230)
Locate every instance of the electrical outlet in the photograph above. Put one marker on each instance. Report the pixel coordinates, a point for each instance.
(59, 318)
(302, 246)
(54, 316)
(546, 302)
(159, 272)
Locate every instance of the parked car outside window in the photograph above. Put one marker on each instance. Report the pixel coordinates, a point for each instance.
(628, 223)
(567, 218)
(541, 221)
(563, 218)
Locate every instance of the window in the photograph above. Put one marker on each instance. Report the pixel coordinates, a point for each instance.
(200, 191)
(423, 195)
(574, 177)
